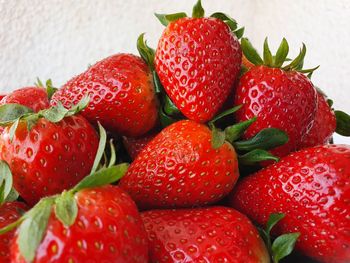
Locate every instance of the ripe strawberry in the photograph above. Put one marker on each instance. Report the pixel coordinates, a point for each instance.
(107, 228)
(48, 156)
(198, 60)
(9, 213)
(179, 167)
(135, 145)
(324, 125)
(281, 97)
(35, 98)
(121, 91)
(311, 187)
(215, 234)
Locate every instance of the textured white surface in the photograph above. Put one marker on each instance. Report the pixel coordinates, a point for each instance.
(58, 39)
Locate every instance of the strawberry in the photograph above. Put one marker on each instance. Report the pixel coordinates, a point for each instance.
(121, 91)
(9, 213)
(215, 234)
(187, 164)
(179, 167)
(135, 145)
(280, 97)
(324, 125)
(198, 60)
(35, 98)
(48, 151)
(311, 187)
(93, 221)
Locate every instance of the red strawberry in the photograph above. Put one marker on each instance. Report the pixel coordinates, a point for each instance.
(35, 98)
(50, 157)
(9, 213)
(311, 187)
(215, 234)
(121, 91)
(107, 228)
(282, 98)
(198, 60)
(324, 125)
(179, 167)
(135, 145)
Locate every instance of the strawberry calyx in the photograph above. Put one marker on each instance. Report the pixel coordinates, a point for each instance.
(50, 89)
(198, 12)
(253, 150)
(13, 114)
(283, 245)
(32, 225)
(279, 59)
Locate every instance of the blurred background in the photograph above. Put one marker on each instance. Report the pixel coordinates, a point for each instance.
(58, 39)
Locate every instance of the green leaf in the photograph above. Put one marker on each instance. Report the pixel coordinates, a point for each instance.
(268, 59)
(239, 32)
(54, 114)
(50, 89)
(166, 19)
(283, 246)
(33, 227)
(39, 83)
(227, 19)
(225, 113)
(165, 120)
(298, 62)
(102, 177)
(145, 51)
(13, 129)
(9, 113)
(343, 123)
(282, 53)
(273, 220)
(113, 155)
(266, 139)
(11, 226)
(235, 131)
(250, 52)
(101, 148)
(66, 208)
(330, 103)
(158, 87)
(81, 105)
(217, 137)
(198, 10)
(169, 107)
(12, 196)
(256, 156)
(5, 181)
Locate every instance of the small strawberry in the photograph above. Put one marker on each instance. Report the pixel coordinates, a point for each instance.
(9, 213)
(93, 222)
(279, 96)
(187, 164)
(324, 125)
(198, 60)
(121, 91)
(35, 98)
(215, 234)
(48, 152)
(311, 187)
(135, 145)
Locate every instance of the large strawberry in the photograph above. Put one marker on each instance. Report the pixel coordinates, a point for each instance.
(198, 60)
(281, 96)
(48, 151)
(93, 222)
(215, 234)
(9, 213)
(121, 91)
(187, 164)
(311, 187)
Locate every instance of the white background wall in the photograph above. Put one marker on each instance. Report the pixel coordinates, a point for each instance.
(58, 38)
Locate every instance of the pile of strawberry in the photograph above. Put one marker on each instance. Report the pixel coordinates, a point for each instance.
(231, 157)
